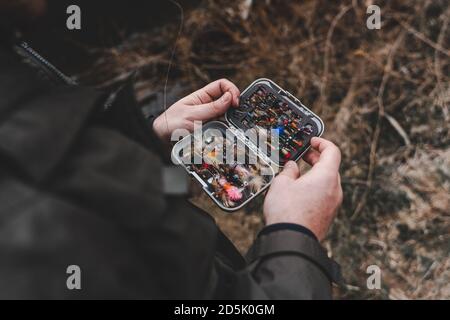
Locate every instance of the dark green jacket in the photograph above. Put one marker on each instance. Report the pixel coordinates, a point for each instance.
(80, 184)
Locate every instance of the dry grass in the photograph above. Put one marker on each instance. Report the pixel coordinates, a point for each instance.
(383, 94)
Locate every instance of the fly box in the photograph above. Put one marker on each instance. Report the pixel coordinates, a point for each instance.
(236, 160)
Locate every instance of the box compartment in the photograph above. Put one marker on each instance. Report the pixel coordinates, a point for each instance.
(264, 105)
(212, 160)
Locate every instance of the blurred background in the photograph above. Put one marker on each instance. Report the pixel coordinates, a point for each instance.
(383, 95)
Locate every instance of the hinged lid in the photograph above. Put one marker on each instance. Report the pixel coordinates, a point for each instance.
(251, 144)
(265, 106)
(221, 174)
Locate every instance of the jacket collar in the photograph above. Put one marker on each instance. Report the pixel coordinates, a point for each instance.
(38, 122)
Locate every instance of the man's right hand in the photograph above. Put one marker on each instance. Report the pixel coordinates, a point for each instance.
(310, 200)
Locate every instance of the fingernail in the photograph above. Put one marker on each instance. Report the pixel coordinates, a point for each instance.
(290, 163)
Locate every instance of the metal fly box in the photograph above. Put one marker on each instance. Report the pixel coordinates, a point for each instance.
(237, 160)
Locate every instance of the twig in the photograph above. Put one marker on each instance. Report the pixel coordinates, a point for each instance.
(374, 145)
(172, 57)
(423, 38)
(438, 67)
(392, 72)
(394, 123)
(328, 46)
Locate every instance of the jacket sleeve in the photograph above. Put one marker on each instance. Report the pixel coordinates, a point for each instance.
(287, 264)
(283, 263)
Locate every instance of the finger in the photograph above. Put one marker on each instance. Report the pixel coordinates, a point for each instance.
(226, 85)
(216, 89)
(212, 109)
(290, 170)
(330, 156)
(311, 157)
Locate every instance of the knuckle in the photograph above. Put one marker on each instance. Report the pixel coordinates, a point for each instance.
(334, 189)
(282, 178)
(189, 125)
(335, 149)
(197, 98)
(338, 185)
(338, 153)
(215, 106)
(188, 116)
(330, 176)
(340, 196)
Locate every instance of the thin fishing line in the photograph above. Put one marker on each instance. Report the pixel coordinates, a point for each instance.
(180, 30)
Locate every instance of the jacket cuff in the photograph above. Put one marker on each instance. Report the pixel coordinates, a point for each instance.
(287, 226)
(295, 243)
(122, 112)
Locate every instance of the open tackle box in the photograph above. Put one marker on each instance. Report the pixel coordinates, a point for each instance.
(236, 160)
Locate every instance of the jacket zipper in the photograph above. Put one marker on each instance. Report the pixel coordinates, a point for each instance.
(49, 69)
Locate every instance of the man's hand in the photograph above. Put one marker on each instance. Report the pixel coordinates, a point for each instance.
(205, 104)
(310, 200)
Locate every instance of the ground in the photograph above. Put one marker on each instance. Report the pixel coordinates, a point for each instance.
(383, 95)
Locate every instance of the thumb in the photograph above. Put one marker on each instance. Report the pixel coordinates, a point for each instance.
(291, 170)
(215, 108)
